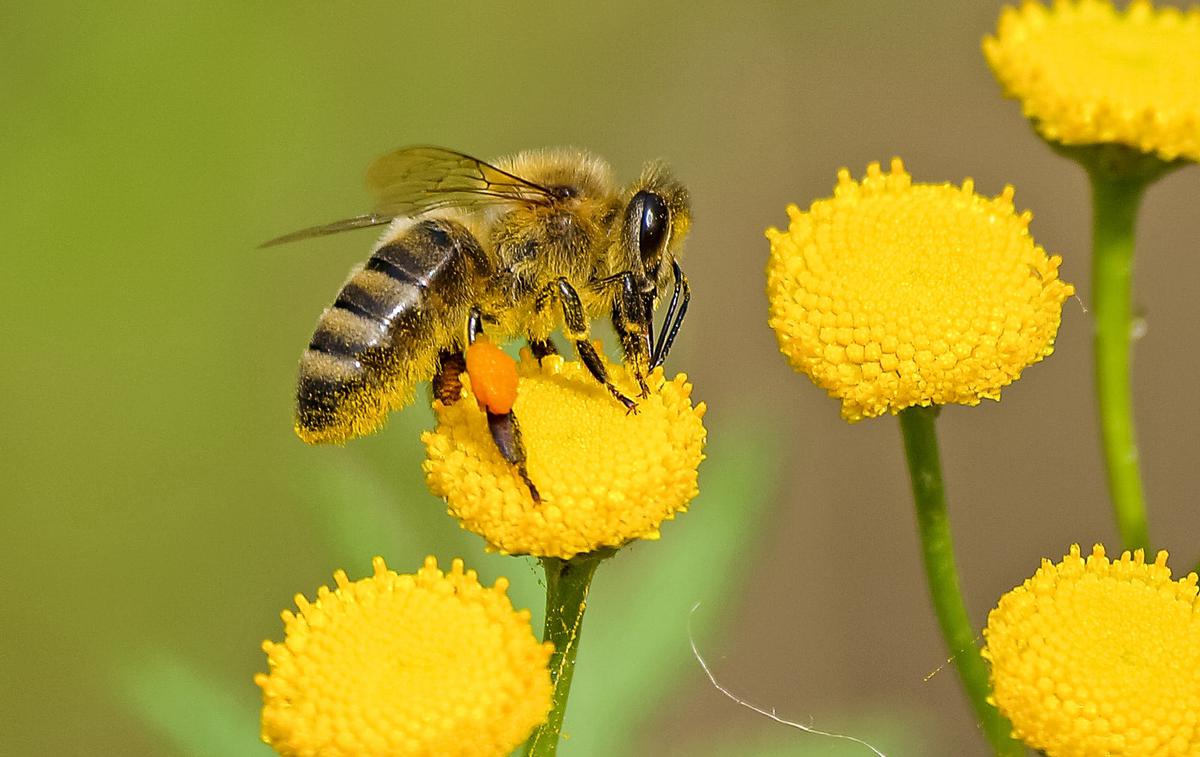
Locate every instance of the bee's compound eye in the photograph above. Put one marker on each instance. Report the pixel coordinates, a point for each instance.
(653, 223)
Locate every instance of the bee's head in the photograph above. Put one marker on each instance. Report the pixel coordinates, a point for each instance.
(657, 216)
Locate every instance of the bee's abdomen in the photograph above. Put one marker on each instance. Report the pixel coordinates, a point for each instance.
(382, 335)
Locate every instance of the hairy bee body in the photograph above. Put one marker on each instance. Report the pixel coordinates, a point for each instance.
(505, 260)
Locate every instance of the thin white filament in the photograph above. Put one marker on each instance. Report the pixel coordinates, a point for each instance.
(768, 713)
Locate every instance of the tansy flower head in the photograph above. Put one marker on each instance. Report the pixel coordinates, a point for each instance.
(606, 476)
(420, 664)
(1099, 657)
(1086, 73)
(891, 294)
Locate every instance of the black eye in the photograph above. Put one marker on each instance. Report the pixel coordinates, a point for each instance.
(653, 224)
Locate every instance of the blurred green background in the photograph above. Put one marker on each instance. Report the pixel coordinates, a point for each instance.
(159, 513)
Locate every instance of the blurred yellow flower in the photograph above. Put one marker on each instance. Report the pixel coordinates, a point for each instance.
(1099, 657)
(606, 476)
(891, 294)
(1086, 73)
(420, 664)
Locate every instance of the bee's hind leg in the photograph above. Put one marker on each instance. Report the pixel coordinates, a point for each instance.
(447, 382)
(505, 431)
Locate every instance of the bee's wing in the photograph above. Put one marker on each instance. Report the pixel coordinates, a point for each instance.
(413, 180)
(346, 224)
(416, 180)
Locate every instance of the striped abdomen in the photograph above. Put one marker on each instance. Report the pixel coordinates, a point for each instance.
(383, 333)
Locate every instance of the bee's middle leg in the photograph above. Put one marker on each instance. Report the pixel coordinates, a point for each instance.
(542, 348)
(575, 326)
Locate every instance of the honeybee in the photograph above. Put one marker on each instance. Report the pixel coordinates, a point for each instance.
(539, 240)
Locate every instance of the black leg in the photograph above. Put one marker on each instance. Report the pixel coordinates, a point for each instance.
(637, 357)
(542, 348)
(631, 320)
(670, 312)
(595, 366)
(667, 337)
(506, 433)
(575, 326)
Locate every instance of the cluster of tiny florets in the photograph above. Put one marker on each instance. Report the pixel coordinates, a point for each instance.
(891, 294)
(423, 664)
(1095, 657)
(606, 476)
(1087, 73)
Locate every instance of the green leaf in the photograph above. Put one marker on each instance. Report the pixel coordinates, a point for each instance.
(196, 714)
(360, 512)
(371, 499)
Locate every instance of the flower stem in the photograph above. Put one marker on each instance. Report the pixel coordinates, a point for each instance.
(567, 583)
(1115, 202)
(918, 425)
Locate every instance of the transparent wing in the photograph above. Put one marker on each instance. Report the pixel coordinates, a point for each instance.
(416, 180)
(346, 224)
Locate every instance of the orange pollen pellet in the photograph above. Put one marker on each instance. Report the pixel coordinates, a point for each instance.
(493, 376)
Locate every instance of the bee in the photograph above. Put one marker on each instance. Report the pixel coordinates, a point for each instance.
(541, 240)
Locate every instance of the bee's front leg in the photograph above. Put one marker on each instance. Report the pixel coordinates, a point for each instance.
(632, 319)
(575, 326)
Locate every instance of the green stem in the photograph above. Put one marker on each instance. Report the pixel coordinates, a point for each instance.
(918, 425)
(1115, 202)
(567, 583)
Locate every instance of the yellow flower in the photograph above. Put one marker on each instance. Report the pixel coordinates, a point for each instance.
(1086, 73)
(605, 476)
(891, 294)
(424, 664)
(1099, 657)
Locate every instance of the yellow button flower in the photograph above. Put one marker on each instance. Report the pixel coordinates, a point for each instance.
(1100, 657)
(1086, 73)
(424, 664)
(891, 294)
(605, 476)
